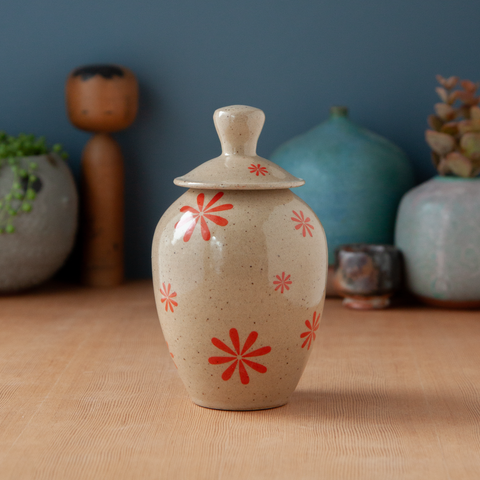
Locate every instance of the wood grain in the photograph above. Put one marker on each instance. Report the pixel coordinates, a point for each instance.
(102, 212)
(88, 391)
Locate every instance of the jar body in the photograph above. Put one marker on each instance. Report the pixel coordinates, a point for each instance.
(438, 230)
(239, 289)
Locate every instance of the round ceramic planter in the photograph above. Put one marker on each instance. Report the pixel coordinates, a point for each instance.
(438, 230)
(45, 236)
(239, 270)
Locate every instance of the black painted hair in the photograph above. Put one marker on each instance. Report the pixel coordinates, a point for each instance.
(106, 71)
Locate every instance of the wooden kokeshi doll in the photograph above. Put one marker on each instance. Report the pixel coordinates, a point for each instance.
(102, 99)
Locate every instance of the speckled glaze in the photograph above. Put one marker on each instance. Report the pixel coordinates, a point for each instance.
(45, 236)
(438, 231)
(239, 270)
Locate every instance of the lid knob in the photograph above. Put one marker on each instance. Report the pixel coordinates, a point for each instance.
(238, 128)
(338, 111)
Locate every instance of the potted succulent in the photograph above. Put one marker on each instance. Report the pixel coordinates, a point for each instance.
(38, 211)
(438, 223)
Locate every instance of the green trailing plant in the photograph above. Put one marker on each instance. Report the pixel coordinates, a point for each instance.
(15, 153)
(455, 128)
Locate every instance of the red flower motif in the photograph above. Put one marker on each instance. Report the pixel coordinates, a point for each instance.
(310, 335)
(167, 297)
(302, 223)
(192, 216)
(282, 282)
(172, 355)
(239, 357)
(257, 169)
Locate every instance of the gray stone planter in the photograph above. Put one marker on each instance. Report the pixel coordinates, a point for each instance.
(45, 236)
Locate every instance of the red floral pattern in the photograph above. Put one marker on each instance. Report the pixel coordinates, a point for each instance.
(282, 282)
(172, 355)
(193, 215)
(302, 223)
(239, 357)
(312, 328)
(168, 297)
(258, 169)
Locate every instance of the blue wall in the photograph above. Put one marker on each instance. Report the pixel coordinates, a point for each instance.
(291, 58)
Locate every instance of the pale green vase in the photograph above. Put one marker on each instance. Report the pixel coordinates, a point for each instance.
(438, 230)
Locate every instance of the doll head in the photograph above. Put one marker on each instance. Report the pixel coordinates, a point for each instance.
(102, 98)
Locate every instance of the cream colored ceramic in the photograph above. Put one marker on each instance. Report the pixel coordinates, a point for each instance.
(239, 270)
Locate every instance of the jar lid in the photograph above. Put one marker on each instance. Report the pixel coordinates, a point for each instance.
(239, 167)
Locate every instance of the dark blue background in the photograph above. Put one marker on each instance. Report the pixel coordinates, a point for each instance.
(291, 58)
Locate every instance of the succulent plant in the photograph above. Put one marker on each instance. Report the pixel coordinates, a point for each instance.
(455, 128)
(15, 153)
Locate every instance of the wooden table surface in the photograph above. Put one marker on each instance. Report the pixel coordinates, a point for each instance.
(88, 391)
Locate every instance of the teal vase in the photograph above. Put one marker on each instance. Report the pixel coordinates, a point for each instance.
(438, 231)
(354, 179)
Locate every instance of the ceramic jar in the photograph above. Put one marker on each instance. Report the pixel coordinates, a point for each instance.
(239, 271)
(356, 180)
(438, 231)
(44, 237)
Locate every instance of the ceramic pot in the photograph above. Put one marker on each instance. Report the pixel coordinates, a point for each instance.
(356, 180)
(45, 236)
(367, 275)
(239, 271)
(438, 231)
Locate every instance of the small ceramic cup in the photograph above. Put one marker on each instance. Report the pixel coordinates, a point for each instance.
(367, 275)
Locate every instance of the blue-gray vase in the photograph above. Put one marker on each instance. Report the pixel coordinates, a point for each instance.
(438, 231)
(354, 179)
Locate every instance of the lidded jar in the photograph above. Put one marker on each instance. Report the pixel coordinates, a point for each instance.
(239, 272)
